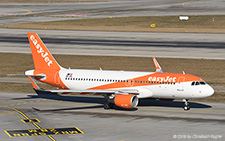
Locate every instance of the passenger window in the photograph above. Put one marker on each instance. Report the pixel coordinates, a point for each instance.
(193, 83)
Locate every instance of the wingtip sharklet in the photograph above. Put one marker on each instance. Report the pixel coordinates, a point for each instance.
(157, 66)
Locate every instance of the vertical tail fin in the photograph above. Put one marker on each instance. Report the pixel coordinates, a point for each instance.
(43, 59)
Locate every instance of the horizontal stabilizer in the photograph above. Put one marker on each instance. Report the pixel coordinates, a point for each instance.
(24, 75)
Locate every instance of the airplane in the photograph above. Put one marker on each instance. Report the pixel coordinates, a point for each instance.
(121, 88)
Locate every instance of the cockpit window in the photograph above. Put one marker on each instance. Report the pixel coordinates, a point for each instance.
(202, 82)
(197, 83)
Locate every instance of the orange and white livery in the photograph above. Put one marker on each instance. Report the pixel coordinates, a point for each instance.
(121, 88)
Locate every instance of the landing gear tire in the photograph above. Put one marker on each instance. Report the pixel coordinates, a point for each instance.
(108, 106)
(186, 108)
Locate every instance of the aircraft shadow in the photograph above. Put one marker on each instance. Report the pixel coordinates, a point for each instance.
(101, 100)
(64, 109)
(74, 98)
(175, 104)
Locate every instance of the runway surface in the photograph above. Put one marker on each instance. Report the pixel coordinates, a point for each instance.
(115, 43)
(154, 120)
(139, 44)
(33, 12)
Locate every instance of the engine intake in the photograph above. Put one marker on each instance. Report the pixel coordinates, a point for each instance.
(126, 101)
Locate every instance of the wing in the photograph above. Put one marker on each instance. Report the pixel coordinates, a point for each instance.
(134, 92)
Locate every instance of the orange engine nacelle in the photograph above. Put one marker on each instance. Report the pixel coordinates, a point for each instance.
(126, 101)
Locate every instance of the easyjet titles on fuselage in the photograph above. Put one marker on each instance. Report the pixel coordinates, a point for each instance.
(163, 79)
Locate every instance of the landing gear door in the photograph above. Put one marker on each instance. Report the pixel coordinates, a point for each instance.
(180, 84)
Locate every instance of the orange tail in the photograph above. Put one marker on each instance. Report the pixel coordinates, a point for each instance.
(45, 64)
(41, 56)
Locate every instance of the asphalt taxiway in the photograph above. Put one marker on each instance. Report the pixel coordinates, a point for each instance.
(34, 12)
(154, 120)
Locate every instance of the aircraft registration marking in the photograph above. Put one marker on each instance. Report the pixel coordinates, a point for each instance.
(43, 132)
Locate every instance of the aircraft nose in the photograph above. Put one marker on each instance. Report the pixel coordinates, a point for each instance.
(210, 91)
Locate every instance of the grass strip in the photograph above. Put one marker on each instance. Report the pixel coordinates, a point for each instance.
(212, 71)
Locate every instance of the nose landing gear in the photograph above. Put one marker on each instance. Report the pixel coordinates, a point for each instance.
(186, 105)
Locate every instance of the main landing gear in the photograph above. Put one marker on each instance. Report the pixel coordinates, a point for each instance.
(186, 105)
(109, 104)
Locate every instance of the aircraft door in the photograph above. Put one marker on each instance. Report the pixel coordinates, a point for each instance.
(57, 78)
(129, 83)
(180, 84)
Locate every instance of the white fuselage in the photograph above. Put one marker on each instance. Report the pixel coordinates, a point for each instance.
(77, 79)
